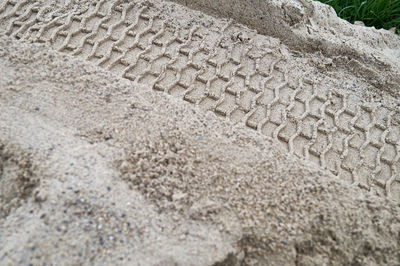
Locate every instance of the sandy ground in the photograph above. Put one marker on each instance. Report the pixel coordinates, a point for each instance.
(108, 154)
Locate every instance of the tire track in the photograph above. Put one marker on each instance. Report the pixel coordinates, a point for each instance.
(219, 70)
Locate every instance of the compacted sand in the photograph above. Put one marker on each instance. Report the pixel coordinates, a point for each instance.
(147, 133)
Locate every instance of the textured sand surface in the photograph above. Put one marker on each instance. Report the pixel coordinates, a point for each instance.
(146, 133)
(311, 26)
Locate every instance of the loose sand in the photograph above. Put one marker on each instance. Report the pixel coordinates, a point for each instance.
(146, 133)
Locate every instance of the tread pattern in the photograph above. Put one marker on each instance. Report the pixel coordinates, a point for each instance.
(206, 66)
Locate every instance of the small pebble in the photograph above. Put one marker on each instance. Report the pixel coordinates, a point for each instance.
(101, 240)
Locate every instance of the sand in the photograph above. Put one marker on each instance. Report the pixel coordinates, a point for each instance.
(147, 133)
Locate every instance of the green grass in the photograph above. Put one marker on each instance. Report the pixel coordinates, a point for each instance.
(378, 13)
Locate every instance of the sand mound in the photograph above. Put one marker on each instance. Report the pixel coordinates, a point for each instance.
(159, 135)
